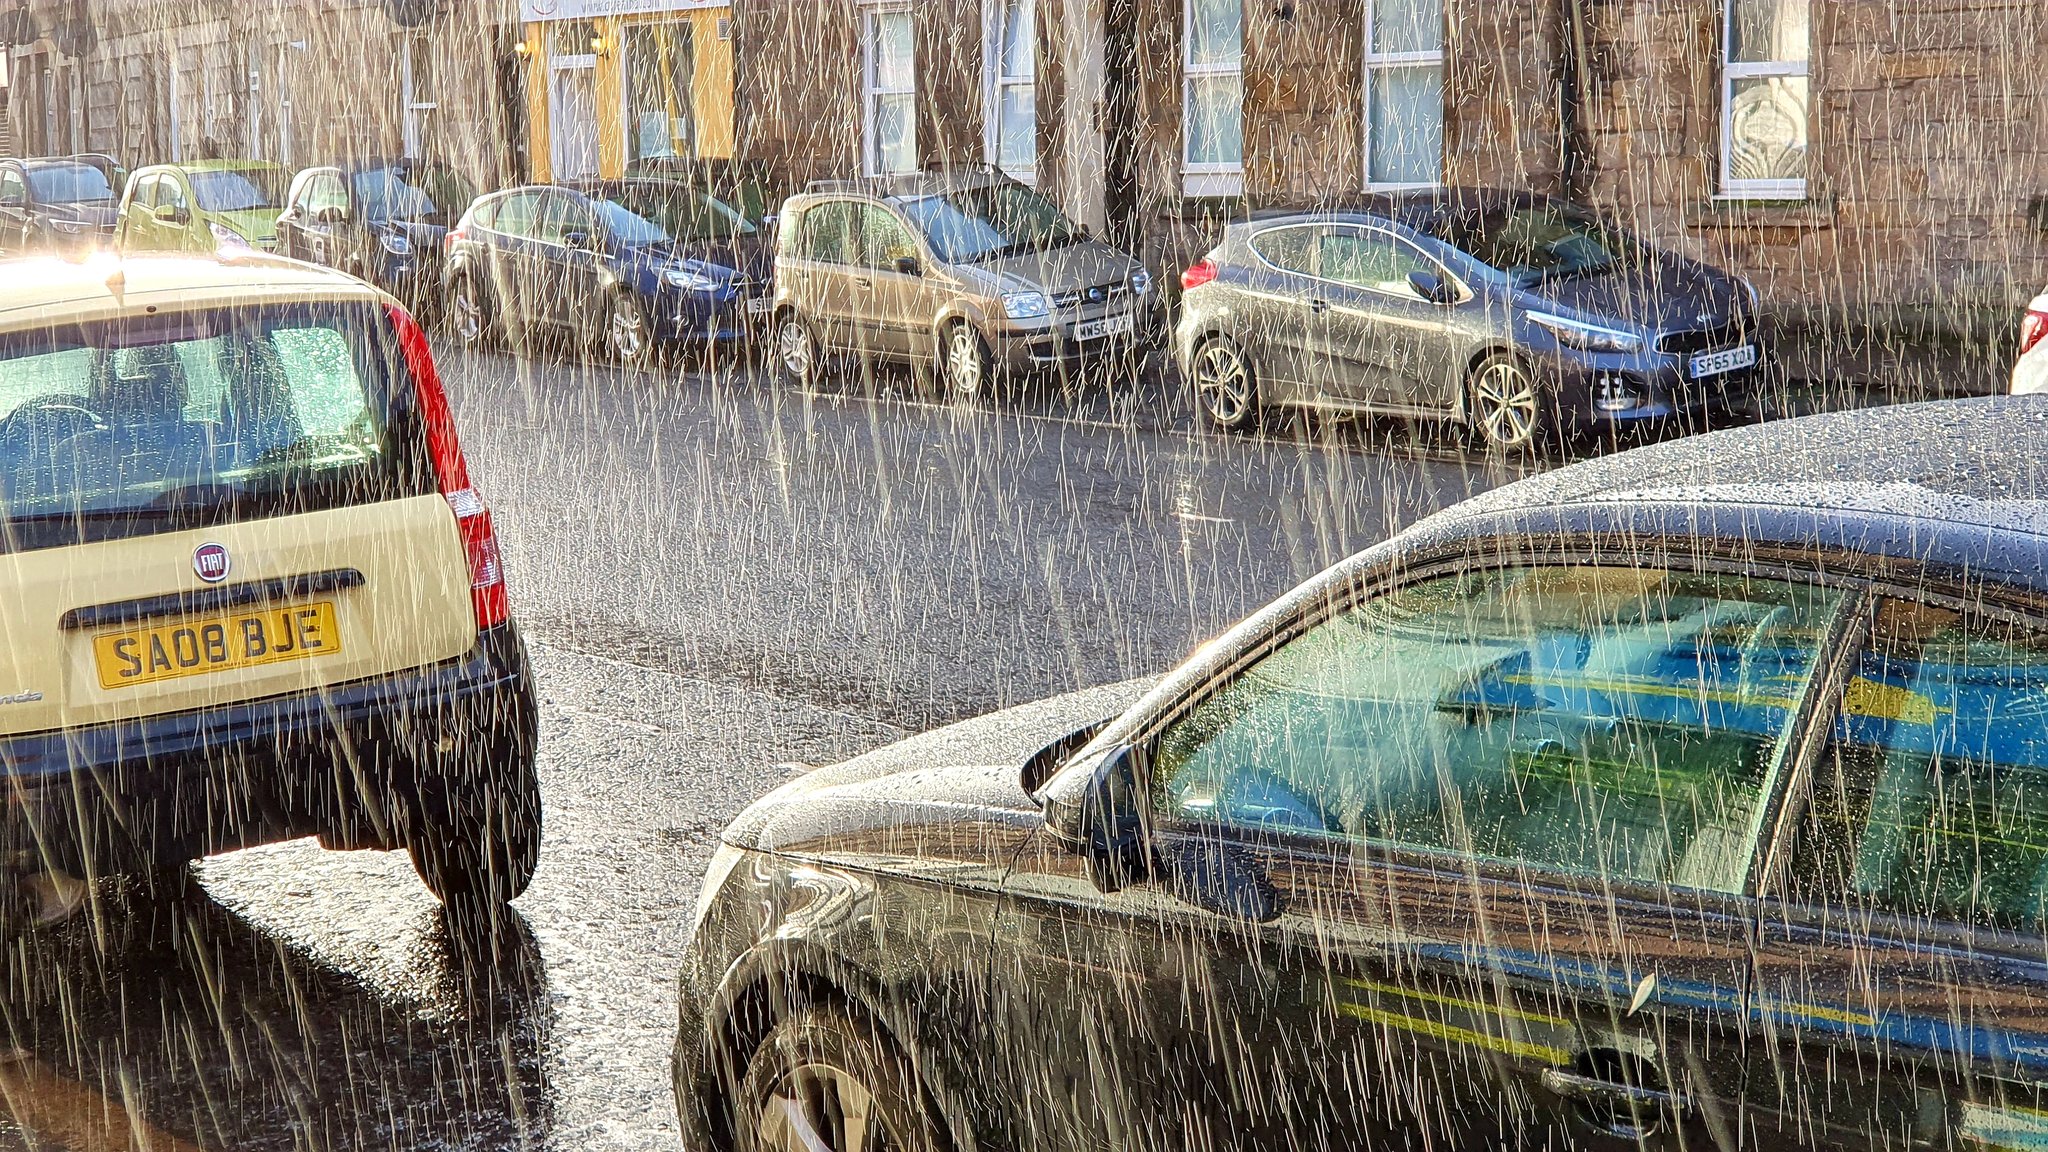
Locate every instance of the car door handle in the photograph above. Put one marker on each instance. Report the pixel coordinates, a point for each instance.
(863, 282)
(1577, 1087)
(1319, 305)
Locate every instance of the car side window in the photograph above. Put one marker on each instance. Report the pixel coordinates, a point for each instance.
(327, 192)
(169, 191)
(1616, 721)
(562, 217)
(1931, 801)
(827, 234)
(145, 194)
(1367, 258)
(517, 215)
(884, 239)
(13, 190)
(1291, 249)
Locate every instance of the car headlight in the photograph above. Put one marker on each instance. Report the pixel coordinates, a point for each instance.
(395, 243)
(687, 279)
(1141, 282)
(68, 227)
(1586, 337)
(1025, 305)
(723, 862)
(228, 238)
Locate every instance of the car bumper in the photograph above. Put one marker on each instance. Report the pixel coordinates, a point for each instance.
(2030, 374)
(176, 787)
(718, 319)
(1618, 390)
(1056, 346)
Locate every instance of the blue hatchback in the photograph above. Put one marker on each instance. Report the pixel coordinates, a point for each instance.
(624, 266)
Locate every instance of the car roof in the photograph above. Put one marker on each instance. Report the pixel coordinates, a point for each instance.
(1431, 211)
(1950, 483)
(909, 186)
(41, 292)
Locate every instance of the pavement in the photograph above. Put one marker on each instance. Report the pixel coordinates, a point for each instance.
(718, 579)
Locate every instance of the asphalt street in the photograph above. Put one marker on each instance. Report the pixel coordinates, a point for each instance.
(721, 581)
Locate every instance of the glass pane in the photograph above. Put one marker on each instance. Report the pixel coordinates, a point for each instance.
(658, 90)
(828, 233)
(1934, 801)
(1599, 719)
(1215, 33)
(1017, 128)
(1406, 133)
(1370, 260)
(1016, 59)
(1766, 30)
(1289, 249)
(1767, 134)
(893, 52)
(1215, 120)
(895, 147)
(884, 239)
(1407, 26)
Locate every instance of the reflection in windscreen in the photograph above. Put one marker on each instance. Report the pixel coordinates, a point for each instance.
(977, 223)
(191, 411)
(223, 191)
(683, 214)
(384, 195)
(1543, 242)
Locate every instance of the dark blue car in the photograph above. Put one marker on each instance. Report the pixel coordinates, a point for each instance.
(382, 219)
(621, 266)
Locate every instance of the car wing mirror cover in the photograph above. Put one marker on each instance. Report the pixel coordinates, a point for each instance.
(1104, 819)
(909, 266)
(1432, 287)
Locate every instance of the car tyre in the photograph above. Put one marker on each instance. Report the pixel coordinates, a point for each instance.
(468, 316)
(1225, 385)
(476, 825)
(825, 1079)
(799, 362)
(965, 364)
(1506, 412)
(627, 337)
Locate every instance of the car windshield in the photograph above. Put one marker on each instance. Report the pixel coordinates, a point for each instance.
(1543, 242)
(237, 190)
(978, 223)
(192, 418)
(682, 213)
(385, 195)
(69, 184)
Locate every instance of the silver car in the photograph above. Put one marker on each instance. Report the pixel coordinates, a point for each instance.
(963, 276)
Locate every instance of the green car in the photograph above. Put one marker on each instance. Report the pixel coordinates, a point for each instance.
(202, 206)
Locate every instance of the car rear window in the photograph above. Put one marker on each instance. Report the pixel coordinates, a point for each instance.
(177, 421)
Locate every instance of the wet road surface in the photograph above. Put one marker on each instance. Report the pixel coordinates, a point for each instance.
(718, 578)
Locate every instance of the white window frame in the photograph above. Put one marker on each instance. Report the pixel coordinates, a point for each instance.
(1377, 62)
(1208, 179)
(871, 13)
(1729, 187)
(415, 109)
(997, 83)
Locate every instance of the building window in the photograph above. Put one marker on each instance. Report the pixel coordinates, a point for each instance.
(1213, 124)
(660, 90)
(890, 79)
(1404, 93)
(1012, 99)
(421, 97)
(1765, 99)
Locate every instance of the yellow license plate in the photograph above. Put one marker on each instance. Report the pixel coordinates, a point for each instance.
(196, 646)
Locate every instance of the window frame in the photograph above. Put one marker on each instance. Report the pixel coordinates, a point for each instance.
(1377, 62)
(871, 14)
(996, 82)
(1779, 806)
(1727, 186)
(418, 111)
(1208, 178)
(1443, 271)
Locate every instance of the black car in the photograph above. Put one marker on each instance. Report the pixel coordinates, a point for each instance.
(623, 266)
(56, 205)
(383, 220)
(748, 187)
(1524, 317)
(1695, 797)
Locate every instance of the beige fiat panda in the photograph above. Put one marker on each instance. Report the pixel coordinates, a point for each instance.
(248, 591)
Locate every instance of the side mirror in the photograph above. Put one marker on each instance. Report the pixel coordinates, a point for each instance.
(1104, 820)
(330, 215)
(577, 240)
(171, 214)
(908, 266)
(1432, 287)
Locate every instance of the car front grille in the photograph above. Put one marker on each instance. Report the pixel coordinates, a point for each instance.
(1099, 294)
(1691, 341)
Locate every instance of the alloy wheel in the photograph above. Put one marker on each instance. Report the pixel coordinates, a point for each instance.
(1504, 405)
(1223, 384)
(627, 330)
(820, 1106)
(794, 348)
(469, 315)
(965, 370)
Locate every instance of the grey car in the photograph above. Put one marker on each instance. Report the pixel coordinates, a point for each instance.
(963, 276)
(1521, 316)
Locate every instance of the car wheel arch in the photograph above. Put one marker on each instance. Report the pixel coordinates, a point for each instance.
(786, 971)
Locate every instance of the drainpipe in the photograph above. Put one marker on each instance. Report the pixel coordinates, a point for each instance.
(1574, 62)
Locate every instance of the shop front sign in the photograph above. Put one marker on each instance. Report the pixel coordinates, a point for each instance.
(534, 11)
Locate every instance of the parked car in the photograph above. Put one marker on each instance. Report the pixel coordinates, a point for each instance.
(201, 206)
(624, 266)
(1695, 785)
(251, 593)
(748, 187)
(381, 219)
(2030, 372)
(970, 273)
(54, 204)
(1521, 316)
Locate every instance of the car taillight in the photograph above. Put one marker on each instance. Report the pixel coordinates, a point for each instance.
(449, 238)
(1198, 274)
(451, 472)
(2032, 330)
